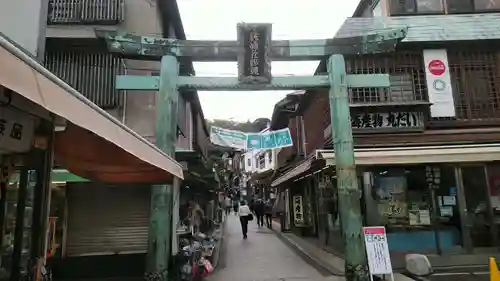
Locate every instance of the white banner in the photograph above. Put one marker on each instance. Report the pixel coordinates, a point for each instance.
(17, 130)
(228, 138)
(438, 79)
(377, 250)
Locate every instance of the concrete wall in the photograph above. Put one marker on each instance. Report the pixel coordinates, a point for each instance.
(24, 21)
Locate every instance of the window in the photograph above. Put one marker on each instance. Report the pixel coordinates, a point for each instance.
(405, 7)
(270, 157)
(249, 162)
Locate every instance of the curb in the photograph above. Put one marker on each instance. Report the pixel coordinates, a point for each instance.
(323, 267)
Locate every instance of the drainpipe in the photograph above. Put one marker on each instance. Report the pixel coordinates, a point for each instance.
(303, 136)
(124, 113)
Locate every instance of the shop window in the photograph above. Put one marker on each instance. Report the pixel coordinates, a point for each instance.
(408, 7)
(401, 199)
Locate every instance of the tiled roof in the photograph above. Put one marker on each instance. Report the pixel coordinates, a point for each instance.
(429, 28)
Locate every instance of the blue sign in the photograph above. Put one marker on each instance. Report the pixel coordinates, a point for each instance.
(254, 141)
(270, 139)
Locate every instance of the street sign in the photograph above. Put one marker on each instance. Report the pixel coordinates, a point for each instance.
(270, 139)
(377, 251)
(228, 138)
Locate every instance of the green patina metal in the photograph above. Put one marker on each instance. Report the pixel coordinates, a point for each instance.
(337, 80)
(160, 221)
(349, 193)
(136, 82)
(153, 48)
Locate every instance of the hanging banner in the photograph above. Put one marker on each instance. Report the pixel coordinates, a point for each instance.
(377, 250)
(228, 138)
(438, 79)
(236, 139)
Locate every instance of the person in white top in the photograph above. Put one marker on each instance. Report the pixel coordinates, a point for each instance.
(245, 215)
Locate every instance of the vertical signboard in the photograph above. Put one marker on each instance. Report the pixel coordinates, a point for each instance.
(298, 210)
(437, 74)
(377, 251)
(254, 64)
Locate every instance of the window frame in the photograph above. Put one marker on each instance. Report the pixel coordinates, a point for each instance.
(394, 12)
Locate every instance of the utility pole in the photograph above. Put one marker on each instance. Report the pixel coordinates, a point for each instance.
(349, 193)
(254, 51)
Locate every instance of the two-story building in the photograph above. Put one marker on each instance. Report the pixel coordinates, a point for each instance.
(50, 121)
(96, 222)
(426, 147)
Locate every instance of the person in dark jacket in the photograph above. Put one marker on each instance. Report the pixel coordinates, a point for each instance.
(268, 212)
(259, 211)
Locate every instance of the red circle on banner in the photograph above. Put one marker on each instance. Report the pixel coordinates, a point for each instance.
(436, 67)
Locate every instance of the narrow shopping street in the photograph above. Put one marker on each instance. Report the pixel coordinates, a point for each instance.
(263, 256)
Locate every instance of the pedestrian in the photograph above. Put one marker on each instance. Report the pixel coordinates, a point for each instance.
(235, 207)
(259, 211)
(227, 205)
(268, 211)
(245, 216)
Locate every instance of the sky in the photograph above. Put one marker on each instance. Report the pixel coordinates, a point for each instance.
(291, 19)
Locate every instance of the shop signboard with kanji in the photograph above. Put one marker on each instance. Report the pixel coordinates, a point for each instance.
(383, 121)
(17, 130)
(377, 251)
(298, 210)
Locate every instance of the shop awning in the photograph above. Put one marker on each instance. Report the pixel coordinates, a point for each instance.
(420, 154)
(295, 172)
(94, 145)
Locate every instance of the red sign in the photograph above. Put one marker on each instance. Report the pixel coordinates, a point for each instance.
(376, 230)
(436, 67)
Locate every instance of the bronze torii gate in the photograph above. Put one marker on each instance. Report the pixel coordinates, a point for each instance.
(254, 50)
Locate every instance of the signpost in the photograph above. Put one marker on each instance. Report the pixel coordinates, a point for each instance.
(241, 140)
(377, 250)
(254, 51)
(228, 138)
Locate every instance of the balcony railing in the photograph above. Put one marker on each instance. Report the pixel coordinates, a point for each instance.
(91, 73)
(106, 12)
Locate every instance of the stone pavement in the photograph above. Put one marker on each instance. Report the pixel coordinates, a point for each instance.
(262, 257)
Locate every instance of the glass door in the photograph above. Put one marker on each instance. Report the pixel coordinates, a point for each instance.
(478, 213)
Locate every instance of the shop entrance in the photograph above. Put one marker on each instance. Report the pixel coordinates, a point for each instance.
(479, 218)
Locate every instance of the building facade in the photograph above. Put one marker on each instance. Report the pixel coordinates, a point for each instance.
(62, 35)
(425, 148)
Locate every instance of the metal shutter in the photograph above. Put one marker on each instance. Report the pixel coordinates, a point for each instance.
(106, 220)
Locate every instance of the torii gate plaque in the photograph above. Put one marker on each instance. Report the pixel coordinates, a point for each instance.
(254, 52)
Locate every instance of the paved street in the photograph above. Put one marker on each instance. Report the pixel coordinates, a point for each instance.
(263, 257)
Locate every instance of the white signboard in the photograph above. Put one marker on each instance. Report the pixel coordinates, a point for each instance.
(17, 130)
(437, 74)
(228, 138)
(377, 250)
(298, 210)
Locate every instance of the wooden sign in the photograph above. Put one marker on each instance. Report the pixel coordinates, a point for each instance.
(387, 120)
(254, 64)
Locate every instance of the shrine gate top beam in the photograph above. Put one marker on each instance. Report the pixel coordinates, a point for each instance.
(153, 48)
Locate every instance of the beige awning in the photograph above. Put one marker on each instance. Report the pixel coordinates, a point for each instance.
(94, 145)
(420, 154)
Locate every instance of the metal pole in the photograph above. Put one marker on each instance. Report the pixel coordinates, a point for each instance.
(160, 228)
(349, 194)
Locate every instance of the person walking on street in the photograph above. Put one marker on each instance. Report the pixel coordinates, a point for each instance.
(245, 216)
(235, 207)
(227, 205)
(268, 212)
(259, 211)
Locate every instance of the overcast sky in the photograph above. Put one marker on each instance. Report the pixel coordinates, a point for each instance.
(291, 19)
